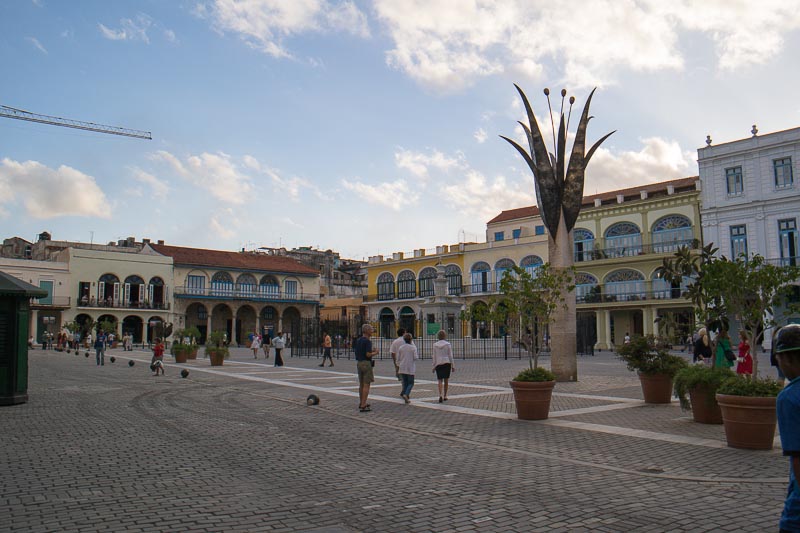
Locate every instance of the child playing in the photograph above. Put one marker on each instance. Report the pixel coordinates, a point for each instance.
(786, 348)
(157, 362)
(745, 359)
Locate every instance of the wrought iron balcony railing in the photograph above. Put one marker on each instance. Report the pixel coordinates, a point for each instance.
(117, 304)
(249, 295)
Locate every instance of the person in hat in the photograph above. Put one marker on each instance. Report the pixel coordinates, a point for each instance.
(786, 348)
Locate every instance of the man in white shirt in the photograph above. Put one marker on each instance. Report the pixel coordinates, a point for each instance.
(394, 348)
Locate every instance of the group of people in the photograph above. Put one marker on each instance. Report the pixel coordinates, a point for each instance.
(404, 356)
(278, 342)
(723, 354)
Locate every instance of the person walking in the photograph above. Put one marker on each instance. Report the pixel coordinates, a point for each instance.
(395, 346)
(406, 363)
(279, 343)
(786, 349)
(255, 344)
(100, 348)
(157, 362)
(364, 363)
(702, 347)
(723, 347)
(744, 364)
(326, 348)
(265, 343)
(443, 363)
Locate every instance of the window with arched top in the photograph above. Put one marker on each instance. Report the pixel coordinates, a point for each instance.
(480, 275)
(156, 293)
(426, 277)
(108, 289)
(500, 268)
(664, 290)
(586, 288)
(406, 284)
(453, 275)
(584, 244)
(385, 286)
(268, 287)
(246, 285)
(624, 285)
(671, 232)
(133, 291)
(531, 264)
(623, 239)
(222, 284)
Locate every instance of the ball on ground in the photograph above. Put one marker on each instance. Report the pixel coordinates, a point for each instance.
(312, 399)
(112, 358)
(184, 373)
(87, 354)
(131, 363)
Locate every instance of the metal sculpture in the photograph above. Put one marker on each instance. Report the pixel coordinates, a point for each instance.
(559, 193)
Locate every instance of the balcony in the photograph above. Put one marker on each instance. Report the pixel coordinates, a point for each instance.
(599, 252)
(246, 295)
(601, 297)
(116, 304)
(52, 302)
(784, 261)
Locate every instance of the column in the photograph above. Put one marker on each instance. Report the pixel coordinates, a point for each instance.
(647, 320)
(600, 318)
(607, 330)
(32, 325)
(208, 325)
(258, 325)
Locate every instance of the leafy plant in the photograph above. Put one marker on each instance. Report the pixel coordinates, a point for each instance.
(694, 376)
(742, 386)
(648, 356)
(215, 344)
(535, 374)
(108, 326)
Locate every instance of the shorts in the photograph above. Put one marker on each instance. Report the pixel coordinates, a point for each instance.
(326, 352)
(443, 371)
(365, 374)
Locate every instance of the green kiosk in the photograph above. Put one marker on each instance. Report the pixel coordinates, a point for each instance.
(15, 298)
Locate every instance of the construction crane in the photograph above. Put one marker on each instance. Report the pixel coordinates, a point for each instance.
(19, 114)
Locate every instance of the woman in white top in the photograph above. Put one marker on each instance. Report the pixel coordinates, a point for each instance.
(443, 363)
(255, 344)
(406, 355)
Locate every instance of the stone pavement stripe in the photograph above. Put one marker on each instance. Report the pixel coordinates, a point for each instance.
(595, 409)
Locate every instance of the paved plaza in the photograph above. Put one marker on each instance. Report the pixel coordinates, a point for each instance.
(236, 448)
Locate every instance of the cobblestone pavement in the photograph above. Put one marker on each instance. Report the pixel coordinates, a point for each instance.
(236, 448)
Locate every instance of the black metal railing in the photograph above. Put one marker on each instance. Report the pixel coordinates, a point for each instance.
(249, 295)
(117, 304)
(51, 301)
(598, 252)
(599, 296)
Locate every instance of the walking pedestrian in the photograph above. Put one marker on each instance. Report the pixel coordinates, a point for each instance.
(443, 363)
(364, 364)
(395, 346)
(255, 344)
(265, 343)
(786, 348)
(326, 348)
(100, 348)
(279, 343)
(723, 346)
(702, 347)
(406, 357)
(744, 364)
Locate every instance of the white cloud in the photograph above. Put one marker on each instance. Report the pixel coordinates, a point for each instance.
(395, 195)
(419, 164)
(658, 160)
(226, 229)
(130, 29)
(480, 135)
(35, 42)
(158, 188)
(448, 45)
(170, 36)
(485, 199)
(51, 193)
(216, 173)
(264, 24)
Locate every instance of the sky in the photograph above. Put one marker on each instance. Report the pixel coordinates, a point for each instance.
(362, 127)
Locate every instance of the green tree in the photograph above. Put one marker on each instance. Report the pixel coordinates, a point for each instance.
(530, 301)
(746, 288)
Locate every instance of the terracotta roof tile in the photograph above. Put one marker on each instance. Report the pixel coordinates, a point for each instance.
(233, 260)
(588, 201)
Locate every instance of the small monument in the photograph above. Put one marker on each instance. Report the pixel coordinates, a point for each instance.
(441, 305)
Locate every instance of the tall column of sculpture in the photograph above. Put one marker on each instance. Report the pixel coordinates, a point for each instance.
(559, 192)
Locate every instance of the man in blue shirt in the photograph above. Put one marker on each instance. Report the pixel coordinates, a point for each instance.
(364, 363)
(100, 348)
(786, 347)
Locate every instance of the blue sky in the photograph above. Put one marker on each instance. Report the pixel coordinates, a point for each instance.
(363, 127)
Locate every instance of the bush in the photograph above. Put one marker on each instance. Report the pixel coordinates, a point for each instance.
(535, 374)
(699, 376)
(742, 386)
(648, 356)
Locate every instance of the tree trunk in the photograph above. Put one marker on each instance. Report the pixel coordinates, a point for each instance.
(563, 328)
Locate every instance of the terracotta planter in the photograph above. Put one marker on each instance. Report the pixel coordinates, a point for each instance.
(216, 358)
(532, 398)
(749, 421)
(181, 355)
(192, 354)
(705, 408)
(657, 388)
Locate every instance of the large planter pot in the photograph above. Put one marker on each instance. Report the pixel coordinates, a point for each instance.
(705, 408)
(532, 398)
(216, 358)
(192, 354)
(657, 388)
(181, 355)
(749, 421)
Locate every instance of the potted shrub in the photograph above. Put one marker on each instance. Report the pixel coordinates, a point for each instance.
(748, 411)
(696, 388)
(216, 350)
(528, 304)
(655, 365)
(185, 343)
